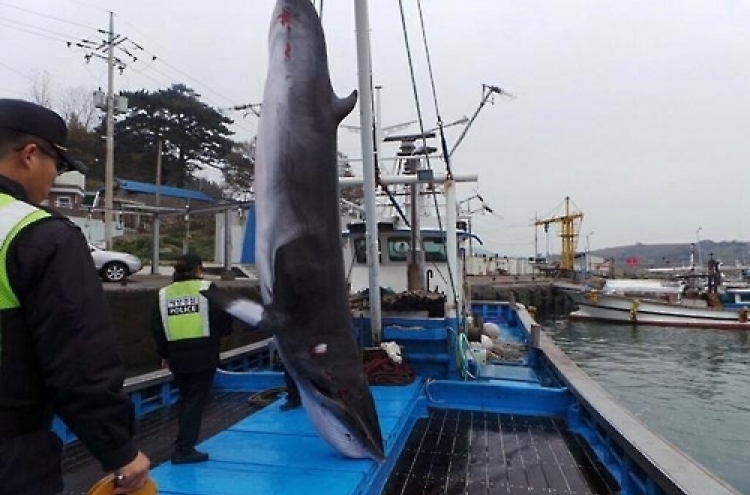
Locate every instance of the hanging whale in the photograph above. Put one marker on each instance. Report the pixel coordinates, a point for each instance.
(298, 236)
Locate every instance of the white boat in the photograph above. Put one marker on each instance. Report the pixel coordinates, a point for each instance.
(654, 302)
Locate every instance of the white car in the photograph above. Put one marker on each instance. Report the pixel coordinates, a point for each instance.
(114, 266)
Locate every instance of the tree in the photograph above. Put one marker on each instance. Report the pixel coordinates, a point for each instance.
(87, 146)
(194, 136)
(76, 105)
(41, 89)
(239, 170)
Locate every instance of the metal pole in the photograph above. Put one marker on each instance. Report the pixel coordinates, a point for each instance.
(186, 241)
(156, 224)
(110, 145)
(451, 242)
(228, 240)
(368, 165)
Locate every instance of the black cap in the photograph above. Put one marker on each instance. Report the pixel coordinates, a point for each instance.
(36, 120)
(187, 263)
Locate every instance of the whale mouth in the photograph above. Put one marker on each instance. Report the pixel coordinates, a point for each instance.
(339, 423)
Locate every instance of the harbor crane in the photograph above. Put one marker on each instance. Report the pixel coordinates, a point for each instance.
(568, 234)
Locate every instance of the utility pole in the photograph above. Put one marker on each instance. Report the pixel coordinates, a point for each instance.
(109, 103)
(109, 165)
(157, 219)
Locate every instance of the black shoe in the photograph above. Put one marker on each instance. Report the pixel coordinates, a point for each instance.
(290, 404)
(189, 457)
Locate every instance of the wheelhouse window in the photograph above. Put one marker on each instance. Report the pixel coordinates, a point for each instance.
(434, 250)
(398, 248)
(360, 251)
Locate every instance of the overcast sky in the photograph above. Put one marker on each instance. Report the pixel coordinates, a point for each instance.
(637, 110)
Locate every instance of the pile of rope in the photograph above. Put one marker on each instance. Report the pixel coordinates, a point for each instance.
(506, 352)
(433, 303)
(381, 370)
(262, 399)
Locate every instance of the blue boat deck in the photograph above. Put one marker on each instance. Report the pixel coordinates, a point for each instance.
(273, 451)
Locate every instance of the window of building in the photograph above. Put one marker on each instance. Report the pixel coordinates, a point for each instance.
(64, 202)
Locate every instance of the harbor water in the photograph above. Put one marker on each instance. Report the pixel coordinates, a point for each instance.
(690, 386)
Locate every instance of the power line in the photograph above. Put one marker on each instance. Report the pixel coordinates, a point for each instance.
(40, 14)
(26, 76)
(175, 69)
(60, 37)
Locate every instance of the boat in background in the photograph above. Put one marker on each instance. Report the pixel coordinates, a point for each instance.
(674, 303)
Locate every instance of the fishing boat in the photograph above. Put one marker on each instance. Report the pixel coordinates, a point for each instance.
(663, 303)
(514, 416)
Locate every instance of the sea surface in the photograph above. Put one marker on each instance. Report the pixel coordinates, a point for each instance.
(690, 386)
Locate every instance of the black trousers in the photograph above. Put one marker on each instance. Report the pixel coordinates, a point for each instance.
(194, 390)
(30, 464)
(292, 392)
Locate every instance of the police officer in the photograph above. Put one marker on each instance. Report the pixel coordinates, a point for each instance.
(187, 332)
(58, 348)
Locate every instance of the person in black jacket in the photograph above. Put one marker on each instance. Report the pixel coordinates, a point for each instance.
(187, 331)
(58, 348)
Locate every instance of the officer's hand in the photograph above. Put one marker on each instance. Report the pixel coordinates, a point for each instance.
(165, 364)
(132, 476)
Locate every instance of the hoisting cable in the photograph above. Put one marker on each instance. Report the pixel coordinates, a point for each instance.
(376, 160)
(424, 138)
(443, 143)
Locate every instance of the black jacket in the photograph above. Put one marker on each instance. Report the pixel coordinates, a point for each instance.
(191, 355)
(59, 355)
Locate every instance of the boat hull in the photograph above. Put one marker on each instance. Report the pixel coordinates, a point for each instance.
(623, 309)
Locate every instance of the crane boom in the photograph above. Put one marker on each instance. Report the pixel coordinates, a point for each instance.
(568, 233)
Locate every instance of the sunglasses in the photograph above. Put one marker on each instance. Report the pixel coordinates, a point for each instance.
(60, 165)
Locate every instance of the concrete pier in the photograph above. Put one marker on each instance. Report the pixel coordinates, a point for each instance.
(133, 303)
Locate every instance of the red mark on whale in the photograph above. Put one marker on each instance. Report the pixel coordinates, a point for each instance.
(285, 18)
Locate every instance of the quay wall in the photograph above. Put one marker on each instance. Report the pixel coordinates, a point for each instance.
(538, 292)
(132, 308)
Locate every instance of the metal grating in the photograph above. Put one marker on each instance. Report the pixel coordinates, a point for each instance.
(478, 453)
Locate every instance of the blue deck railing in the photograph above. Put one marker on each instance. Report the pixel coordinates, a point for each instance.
(152, 391)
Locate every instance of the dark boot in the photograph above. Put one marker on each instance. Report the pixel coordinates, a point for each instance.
(190, 457)
(291, 403)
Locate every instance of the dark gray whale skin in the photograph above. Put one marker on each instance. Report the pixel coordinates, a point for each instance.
(298, 238)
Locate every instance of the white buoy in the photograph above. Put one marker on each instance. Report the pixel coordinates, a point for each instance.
(491, 330)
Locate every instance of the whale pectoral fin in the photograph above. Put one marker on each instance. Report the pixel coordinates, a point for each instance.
(243, 309)
(344, 106)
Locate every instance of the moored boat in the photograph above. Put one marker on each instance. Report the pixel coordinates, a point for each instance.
(660, 303)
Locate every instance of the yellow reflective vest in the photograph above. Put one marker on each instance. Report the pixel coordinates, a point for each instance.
(184, 311)
(14, 216)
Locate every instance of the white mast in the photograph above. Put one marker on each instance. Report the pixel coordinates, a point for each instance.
(364, 67)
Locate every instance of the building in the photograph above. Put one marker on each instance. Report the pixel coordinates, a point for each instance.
(133, 203)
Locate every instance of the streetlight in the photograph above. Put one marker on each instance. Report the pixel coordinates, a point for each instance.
(588, 246)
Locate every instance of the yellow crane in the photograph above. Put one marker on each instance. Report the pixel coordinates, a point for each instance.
(568, 233)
